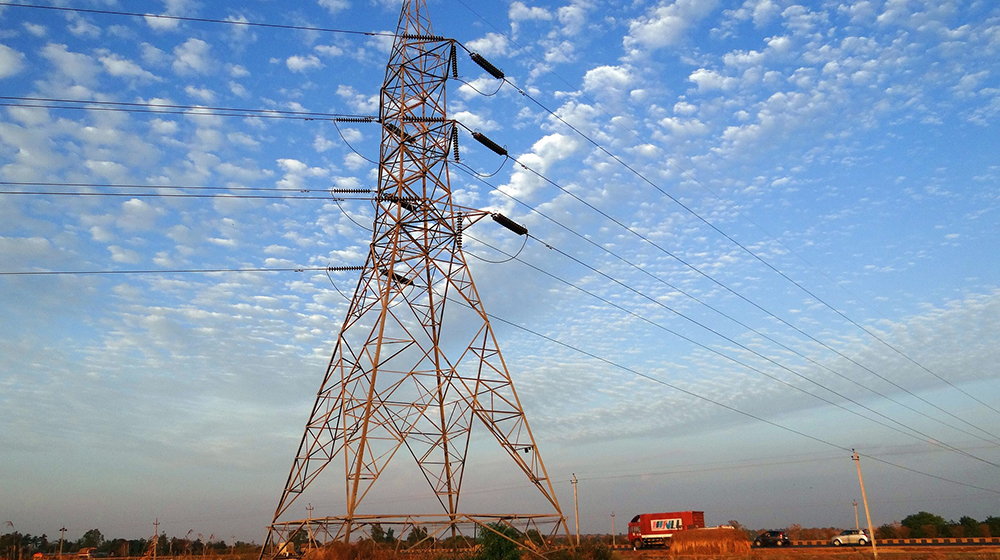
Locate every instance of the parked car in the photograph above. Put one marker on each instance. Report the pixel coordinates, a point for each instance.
(772, 538)
(851, 536)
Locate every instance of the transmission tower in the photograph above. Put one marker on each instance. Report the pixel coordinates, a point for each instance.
(416, 363)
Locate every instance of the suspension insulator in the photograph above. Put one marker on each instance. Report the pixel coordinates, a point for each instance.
(509, 223)
(460, 229)
(403, 202)
(485, 65)
(399, 278)
(490, 144)
(454, 60)
(454, 141)
(396, 130)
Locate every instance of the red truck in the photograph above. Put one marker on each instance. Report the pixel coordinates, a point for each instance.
(648, 529)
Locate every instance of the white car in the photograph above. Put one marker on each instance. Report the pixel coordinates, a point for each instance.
(851, 536)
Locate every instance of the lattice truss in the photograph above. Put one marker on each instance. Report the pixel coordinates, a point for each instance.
(416, 363)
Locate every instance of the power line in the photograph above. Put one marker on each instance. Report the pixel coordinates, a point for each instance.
(729, 289)
(203, 20)
(720, 312)
(176, 271)
(178, 195)
(187, 110)
(499, 75)
(913, 432)
(332, 190)
(752, 416)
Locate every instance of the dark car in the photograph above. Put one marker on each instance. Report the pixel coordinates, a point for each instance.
(772, 538)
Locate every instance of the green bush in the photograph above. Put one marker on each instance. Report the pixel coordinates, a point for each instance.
(499, 542)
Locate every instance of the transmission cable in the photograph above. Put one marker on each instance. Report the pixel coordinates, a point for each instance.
(724, 314)
(336, 190)
(178, 195)
(753, 254)
(175, 271)
(186, 110)
(919, 435)
(503, 152)
(207, 20)
(500, 76)
(709, 400)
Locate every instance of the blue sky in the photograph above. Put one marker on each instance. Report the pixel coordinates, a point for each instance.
(772, 233)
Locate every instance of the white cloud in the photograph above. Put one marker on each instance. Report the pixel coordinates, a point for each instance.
(334, 6)
(35, 29)
(546, 152)
(82, 28)
(76, 66)
(11, 61)
(708, 80)
(152, 55)
(193, 57)
(124, 68)
(297, 174)
(665, 25)
(329, 50)
(204, 95)
(302, 63)
(137, 215)
(519, 11)
(604, 78)
(123, 255)
(573, 18)
(490, 44)
(160, 126)
(360, 102)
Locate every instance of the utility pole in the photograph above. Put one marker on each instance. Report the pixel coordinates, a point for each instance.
(857, 524)
(309, 508)
(62, 537)
(612, 529)
(156, 536)
(864, 499)
(576, 509)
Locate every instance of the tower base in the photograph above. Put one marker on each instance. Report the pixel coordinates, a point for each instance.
(430, 532)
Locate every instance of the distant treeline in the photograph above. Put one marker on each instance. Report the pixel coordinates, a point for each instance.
(22, 546)
(917, 526)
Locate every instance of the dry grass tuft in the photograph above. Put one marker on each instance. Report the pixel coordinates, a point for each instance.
(717, 540)
(363, 550)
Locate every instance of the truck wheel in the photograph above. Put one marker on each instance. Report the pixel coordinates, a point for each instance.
(837, 542)
(779, 543)
(862, 542)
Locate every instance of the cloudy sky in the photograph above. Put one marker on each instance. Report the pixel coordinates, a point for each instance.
(763, 234)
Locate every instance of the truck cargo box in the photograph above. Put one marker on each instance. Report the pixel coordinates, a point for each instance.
(655, 529)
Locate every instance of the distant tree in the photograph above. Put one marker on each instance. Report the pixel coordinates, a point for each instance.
(377, 533)
(382, 536)
(992, 526)
(887, 531)
(163, 544)
(499, 542)
(416, 535)
(92, 538)
(969, 525)
(924, 524)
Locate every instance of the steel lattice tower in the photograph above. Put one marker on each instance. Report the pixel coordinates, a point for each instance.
(416, 364)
